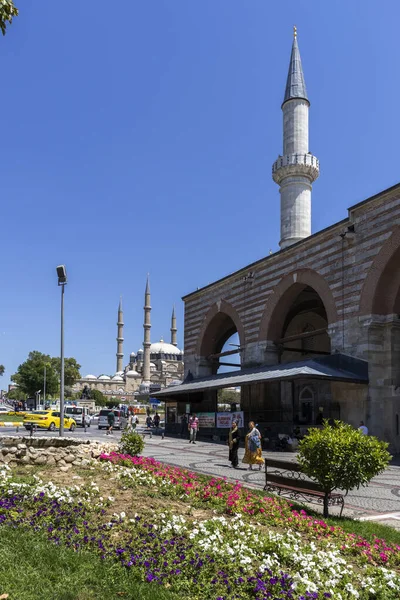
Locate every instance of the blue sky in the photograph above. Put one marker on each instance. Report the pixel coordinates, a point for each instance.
(139, 136)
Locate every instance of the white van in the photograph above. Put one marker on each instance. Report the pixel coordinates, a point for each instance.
(79, 413)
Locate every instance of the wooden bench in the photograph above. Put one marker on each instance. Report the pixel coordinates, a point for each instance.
(286, 478)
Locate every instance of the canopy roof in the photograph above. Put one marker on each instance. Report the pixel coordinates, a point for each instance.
(336, 367)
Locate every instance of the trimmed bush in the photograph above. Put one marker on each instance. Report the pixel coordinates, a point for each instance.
(341, 457)
(131, 443)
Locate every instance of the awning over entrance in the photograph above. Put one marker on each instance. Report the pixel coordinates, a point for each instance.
(336, 367)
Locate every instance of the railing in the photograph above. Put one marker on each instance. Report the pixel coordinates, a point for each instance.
(295, 159)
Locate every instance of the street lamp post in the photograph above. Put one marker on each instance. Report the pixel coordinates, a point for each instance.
(62, 281)
(44, 387)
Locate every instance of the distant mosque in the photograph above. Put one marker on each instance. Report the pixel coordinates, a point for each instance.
(153, 367)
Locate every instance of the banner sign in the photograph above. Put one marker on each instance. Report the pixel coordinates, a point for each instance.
(206, 419)
(224, 419)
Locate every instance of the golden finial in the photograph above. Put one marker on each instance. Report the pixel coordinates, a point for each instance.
(294, 31)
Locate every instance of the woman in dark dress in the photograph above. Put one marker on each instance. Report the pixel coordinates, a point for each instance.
(234, 438)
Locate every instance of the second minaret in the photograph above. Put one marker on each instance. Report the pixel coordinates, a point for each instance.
(297, 169)
(146, 340)
(120, 338)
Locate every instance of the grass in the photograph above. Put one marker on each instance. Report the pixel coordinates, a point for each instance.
(8, 418)
(31, 568)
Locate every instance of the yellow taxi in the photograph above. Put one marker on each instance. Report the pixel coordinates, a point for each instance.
(47, 419)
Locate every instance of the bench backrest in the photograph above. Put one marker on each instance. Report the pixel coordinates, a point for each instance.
(285, 465)
(293, 482)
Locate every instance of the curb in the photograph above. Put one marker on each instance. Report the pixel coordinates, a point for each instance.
(10, 424)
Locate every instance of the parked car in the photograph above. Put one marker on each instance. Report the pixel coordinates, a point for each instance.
(121, 419)
(4, 410)
(47, 419)
(80, 414)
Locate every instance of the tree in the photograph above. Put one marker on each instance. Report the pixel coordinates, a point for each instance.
(341, 457)
(71, 370)
(2, 369)
(7, 11)
(98, 397)
(16, 394)
(30, 374)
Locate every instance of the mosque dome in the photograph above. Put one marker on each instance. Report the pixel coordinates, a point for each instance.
(90, 377)
(140, 351)
(133, 373)
(133, 354)
(164, 349)
(117, 378)
(104, 377)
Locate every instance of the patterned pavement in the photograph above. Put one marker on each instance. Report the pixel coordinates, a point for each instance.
(380, 501)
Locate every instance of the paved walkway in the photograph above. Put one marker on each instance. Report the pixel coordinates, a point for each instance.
(380, 501)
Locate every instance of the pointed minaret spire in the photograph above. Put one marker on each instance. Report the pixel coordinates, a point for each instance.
(120, 337)
(295, 84)
(146, 340)
(297, 169)
(173, 328)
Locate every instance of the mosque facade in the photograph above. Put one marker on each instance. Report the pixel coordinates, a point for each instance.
(153, 367)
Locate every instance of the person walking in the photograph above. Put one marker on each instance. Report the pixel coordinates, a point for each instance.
(157, 420)
(131, 426)
(111, 421)
(363, 428)
(193, 428)
(252, 452)
(233, 441)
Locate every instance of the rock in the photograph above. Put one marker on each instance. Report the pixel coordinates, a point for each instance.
(24, 460)
(4, 451)
(85, 462)
(41, 460)
(51, 461)
(65, 469)
(77, 462)
(32, 450)
(69, 458)
(22, 446)
(12, 450)
(61, 463)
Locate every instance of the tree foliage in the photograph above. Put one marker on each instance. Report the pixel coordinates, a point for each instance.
(30, 374)
(2, 369)
(16, 394)
(341, 457)
(71, 370)
(8, 10)
(99, 398)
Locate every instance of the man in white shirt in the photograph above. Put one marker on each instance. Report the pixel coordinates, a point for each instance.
(363, 428)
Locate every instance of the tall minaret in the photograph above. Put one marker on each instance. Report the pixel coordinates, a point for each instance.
(120, 338)
(146, 341)
(173, 328)
(297, 169)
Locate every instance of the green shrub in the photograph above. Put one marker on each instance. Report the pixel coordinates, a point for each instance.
(341, 457)
(131, 443)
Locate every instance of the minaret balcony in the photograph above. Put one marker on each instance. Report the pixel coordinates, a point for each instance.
(304, 165)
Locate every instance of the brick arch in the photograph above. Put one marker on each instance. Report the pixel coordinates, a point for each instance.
(284, 295)
(380, 292)
(212, 324)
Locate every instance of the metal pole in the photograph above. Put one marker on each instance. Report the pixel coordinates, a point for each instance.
(44, 388)
(62, 366)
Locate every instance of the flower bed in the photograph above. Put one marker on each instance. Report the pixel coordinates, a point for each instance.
(259, 549)
(236, 499)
